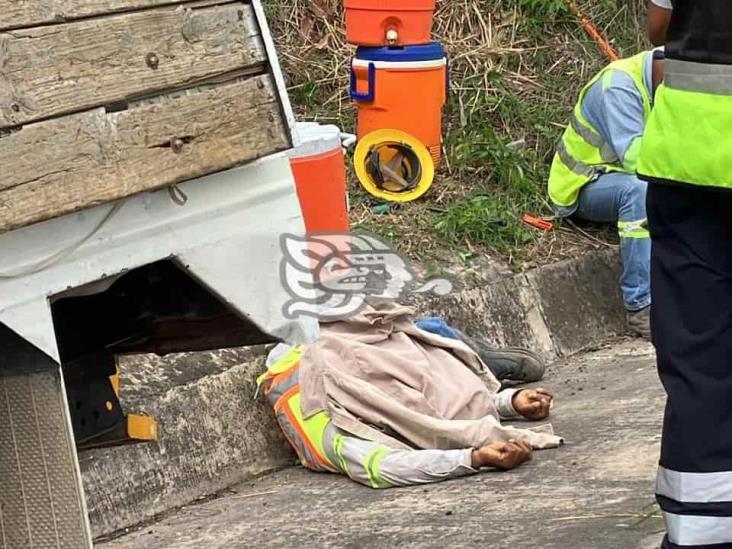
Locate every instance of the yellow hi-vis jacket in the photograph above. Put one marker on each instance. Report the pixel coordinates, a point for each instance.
(583, 153)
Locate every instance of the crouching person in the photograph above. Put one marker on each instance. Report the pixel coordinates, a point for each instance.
(593, 175)
(389, 404)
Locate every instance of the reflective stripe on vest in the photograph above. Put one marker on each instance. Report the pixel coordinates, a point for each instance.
(698, 77)
(282, 389)
(607, 154)
(582, 152)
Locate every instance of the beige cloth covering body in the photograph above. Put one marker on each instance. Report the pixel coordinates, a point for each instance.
(381, 378)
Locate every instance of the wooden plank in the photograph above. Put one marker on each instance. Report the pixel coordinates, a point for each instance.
(27, 13)
(49, 71)
(66, 164)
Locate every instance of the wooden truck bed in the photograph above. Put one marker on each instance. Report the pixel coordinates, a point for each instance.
(102, 99)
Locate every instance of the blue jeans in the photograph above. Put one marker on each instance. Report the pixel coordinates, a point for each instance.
(621, 198)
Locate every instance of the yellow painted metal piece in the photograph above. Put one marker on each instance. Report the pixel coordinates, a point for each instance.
(142, 428)
(137, 428)
(115, 380)
(380, 141)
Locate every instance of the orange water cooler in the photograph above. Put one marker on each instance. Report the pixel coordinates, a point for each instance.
(388, 22)
(400, 93)
(399, 84)
(403, 89)
(319, 168)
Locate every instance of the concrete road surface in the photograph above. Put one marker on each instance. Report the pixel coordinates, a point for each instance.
(595, 492)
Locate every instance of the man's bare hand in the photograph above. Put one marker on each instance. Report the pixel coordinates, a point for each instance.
(533, 404)
(502, 455)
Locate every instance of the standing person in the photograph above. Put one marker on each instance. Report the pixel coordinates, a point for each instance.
(593, 173)
(659, 16)
(686, 157)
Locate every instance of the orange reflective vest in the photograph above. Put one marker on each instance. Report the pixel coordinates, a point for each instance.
(281, 386)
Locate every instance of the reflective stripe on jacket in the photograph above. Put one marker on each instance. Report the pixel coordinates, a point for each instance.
(583, 153)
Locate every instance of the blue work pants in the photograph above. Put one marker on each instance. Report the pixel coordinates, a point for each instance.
(621, 198)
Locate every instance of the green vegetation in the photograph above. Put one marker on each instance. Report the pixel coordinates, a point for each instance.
(543, 7)
(484, 220)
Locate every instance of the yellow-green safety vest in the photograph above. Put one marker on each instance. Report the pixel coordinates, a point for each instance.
(688, 139)
(582, 152)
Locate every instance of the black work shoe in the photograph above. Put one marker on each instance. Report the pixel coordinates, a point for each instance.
(509, 364)
(639, 322)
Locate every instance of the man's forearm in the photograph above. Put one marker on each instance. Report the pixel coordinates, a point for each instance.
(377, 466)
(504, 403)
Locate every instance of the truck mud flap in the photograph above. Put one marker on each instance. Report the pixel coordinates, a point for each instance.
(41, 495)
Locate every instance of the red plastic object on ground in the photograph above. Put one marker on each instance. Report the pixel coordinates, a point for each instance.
(402, 89)
(319, 167)
(389, 22)
(538, 223)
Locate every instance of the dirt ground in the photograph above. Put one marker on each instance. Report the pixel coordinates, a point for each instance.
(595, 492)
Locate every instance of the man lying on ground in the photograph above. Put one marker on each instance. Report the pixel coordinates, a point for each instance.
(389, 402)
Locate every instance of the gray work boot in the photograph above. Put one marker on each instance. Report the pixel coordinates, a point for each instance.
(509, 364)
(639, 323)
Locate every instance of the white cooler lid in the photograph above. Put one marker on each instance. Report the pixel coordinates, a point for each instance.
(315, 139)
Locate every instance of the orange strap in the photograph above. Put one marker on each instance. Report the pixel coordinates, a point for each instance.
(606, 48)
(276, 380)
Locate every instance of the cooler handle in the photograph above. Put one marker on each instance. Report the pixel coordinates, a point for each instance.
(370, 95)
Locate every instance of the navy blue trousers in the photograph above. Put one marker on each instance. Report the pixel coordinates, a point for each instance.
(691, 283)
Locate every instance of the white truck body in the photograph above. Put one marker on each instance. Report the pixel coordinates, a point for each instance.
(225, 235)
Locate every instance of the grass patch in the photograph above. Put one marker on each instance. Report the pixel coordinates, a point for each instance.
(484, 220)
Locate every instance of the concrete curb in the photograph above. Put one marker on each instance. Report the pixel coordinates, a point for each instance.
(557, 310)
(214, 435)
